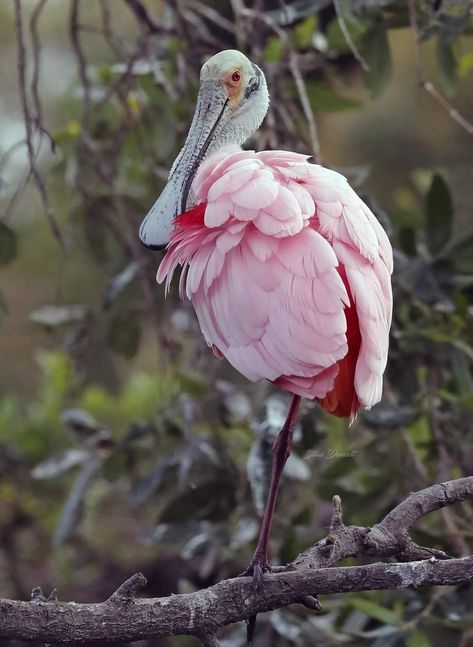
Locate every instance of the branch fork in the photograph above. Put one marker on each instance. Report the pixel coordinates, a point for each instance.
(125, 617)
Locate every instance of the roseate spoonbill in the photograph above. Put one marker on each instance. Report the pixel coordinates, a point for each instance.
(288, 270)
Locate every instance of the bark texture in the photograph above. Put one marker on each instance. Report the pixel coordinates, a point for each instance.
(123, 617)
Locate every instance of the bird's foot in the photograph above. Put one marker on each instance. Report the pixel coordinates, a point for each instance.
(256, 568)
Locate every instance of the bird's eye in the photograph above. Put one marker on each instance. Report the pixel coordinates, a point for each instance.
(236, 76)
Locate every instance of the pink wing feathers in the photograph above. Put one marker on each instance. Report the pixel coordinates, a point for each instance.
(363, 249)
(288, 272)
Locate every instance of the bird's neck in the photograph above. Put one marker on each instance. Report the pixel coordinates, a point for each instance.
(243, 124)
(235, 133)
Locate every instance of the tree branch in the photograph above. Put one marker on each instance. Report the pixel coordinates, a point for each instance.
(425, 83)
(347, 36)
(205, 611)
(124, 618)
(143, 17)
(30, 120)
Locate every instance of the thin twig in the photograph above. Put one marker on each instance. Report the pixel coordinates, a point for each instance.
(425, 83)
(432, 603)
(74, 30)
(297, 76)
(14, 148)
(212, 15)
(305, 103)
(143, 17)
(28, 119)
(16, 196)
(115, 43)
(417, 464)
(347, 36)
(238, 7)
(447, 106)
(36, 43)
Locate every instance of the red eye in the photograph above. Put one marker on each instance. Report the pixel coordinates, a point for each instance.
(236, 76)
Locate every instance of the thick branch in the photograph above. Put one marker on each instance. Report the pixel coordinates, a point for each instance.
(205, 611)
(389, 537)
(202, 613)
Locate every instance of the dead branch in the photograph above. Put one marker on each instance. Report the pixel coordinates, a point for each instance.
(125, 618)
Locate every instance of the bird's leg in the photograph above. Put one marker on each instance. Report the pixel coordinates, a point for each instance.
(281, 449)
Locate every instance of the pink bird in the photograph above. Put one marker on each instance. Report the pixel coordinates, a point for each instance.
(287, 268)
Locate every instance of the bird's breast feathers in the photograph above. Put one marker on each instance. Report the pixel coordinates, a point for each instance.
(289, 274)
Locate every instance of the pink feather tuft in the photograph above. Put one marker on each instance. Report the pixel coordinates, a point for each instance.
(289, 274)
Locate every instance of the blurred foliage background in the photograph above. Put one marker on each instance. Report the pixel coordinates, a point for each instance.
(124, 444)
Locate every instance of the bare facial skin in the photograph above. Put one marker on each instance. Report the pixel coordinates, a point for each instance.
(233, 70)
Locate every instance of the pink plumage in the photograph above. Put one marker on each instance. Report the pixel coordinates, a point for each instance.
(289, 274)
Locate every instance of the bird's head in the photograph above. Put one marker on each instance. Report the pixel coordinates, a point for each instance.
(235, 82)
(233, 100)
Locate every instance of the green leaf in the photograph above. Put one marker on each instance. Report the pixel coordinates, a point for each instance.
(274, 50)
(407, 240)
(191, 383)
(104, 74)
(452, 24)
(448, 66)
(377, 55)
(417, 639)
(463, 347)
(304, 32)
(356, 28)
(80, 422)
(323, 99)
(72, 511)
(435, 335)
(377, 611)
(56, 370)
(68, 133)
(439, 215)
(419, 432)
(8, 245)
(124, 333)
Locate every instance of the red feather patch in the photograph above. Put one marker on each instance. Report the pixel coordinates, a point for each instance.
(342, 399)
(193, 217)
